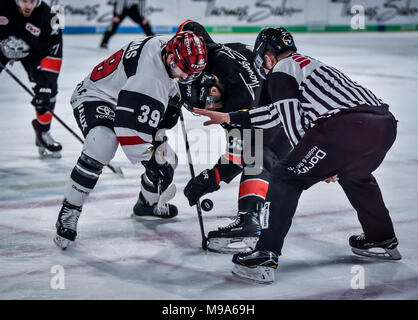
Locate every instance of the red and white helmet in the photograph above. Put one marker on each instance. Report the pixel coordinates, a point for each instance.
(190, 54)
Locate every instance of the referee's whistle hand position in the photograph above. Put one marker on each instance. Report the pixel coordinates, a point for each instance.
(215, 117)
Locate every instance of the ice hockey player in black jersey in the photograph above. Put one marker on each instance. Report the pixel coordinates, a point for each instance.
(26, 35)
(335, 126)
(133, 9)
(231, 82)
(122, 102)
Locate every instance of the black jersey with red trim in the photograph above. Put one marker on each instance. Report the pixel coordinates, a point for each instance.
(232, 63)
(34, 38)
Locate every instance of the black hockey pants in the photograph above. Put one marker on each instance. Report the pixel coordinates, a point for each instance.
(132, 13)
(32, 68)
(351, 145)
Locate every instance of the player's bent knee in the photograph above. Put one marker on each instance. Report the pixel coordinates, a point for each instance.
(101, 144)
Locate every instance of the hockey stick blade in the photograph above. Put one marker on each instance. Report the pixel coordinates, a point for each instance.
(205, 243)
(167, 195)
(116, 169)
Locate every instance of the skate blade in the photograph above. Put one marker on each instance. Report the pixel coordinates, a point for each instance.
(62, 242)
(150, 217)
(143, 217)
(260, 274)
(232, 245)
(379, 253)
(44, 154)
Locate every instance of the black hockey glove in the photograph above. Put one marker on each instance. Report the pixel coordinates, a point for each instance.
(196, 94)
(42, 99)
(157, 172)
(204, 183)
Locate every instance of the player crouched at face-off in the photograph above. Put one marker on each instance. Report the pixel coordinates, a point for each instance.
(26, 35)
(229, 83)
(123, 101)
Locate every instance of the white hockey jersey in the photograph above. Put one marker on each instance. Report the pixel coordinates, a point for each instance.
(135, 82)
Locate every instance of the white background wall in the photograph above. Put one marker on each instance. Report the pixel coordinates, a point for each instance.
(247, 12)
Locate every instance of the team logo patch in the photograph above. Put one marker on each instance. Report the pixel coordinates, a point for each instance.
(105, 112)
(32, 29)
(3, 21)
(287, 40)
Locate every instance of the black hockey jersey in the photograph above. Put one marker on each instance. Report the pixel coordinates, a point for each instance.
(31, 40)
(232, 64)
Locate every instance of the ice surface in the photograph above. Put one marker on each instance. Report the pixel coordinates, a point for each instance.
(116, 257)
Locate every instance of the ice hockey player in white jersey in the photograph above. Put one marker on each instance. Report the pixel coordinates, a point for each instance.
(123, 101)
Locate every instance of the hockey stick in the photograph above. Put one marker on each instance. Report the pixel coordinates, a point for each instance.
(192, 173)
(165, 196)
(116, 170)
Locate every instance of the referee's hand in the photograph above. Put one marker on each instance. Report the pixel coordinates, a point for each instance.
(334, 178)
(215, 117)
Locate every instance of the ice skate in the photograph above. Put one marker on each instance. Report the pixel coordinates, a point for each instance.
(386, 249)
(237, 237)
(143, 209)
(258, 266)
(67, 225)
(47, 146)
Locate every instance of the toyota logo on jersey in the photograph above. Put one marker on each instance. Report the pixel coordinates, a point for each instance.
(105, 112)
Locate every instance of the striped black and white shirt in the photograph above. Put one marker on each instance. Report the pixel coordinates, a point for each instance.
(122, 4)
(303, 90)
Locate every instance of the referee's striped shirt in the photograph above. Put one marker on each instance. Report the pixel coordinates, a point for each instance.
(303, 90)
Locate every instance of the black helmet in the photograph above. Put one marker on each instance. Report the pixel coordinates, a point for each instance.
(190, 25)
(38, 3)
(275, 40)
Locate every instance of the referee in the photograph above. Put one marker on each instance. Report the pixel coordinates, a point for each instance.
(336, 127)
(133, 9)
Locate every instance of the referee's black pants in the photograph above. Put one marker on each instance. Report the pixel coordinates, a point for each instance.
(351, 145)
(132, 13)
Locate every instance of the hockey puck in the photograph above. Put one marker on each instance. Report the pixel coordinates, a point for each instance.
(206, 205)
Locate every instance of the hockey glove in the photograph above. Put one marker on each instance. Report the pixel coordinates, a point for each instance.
(42, 99)
(205, 182)
(157, 172)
